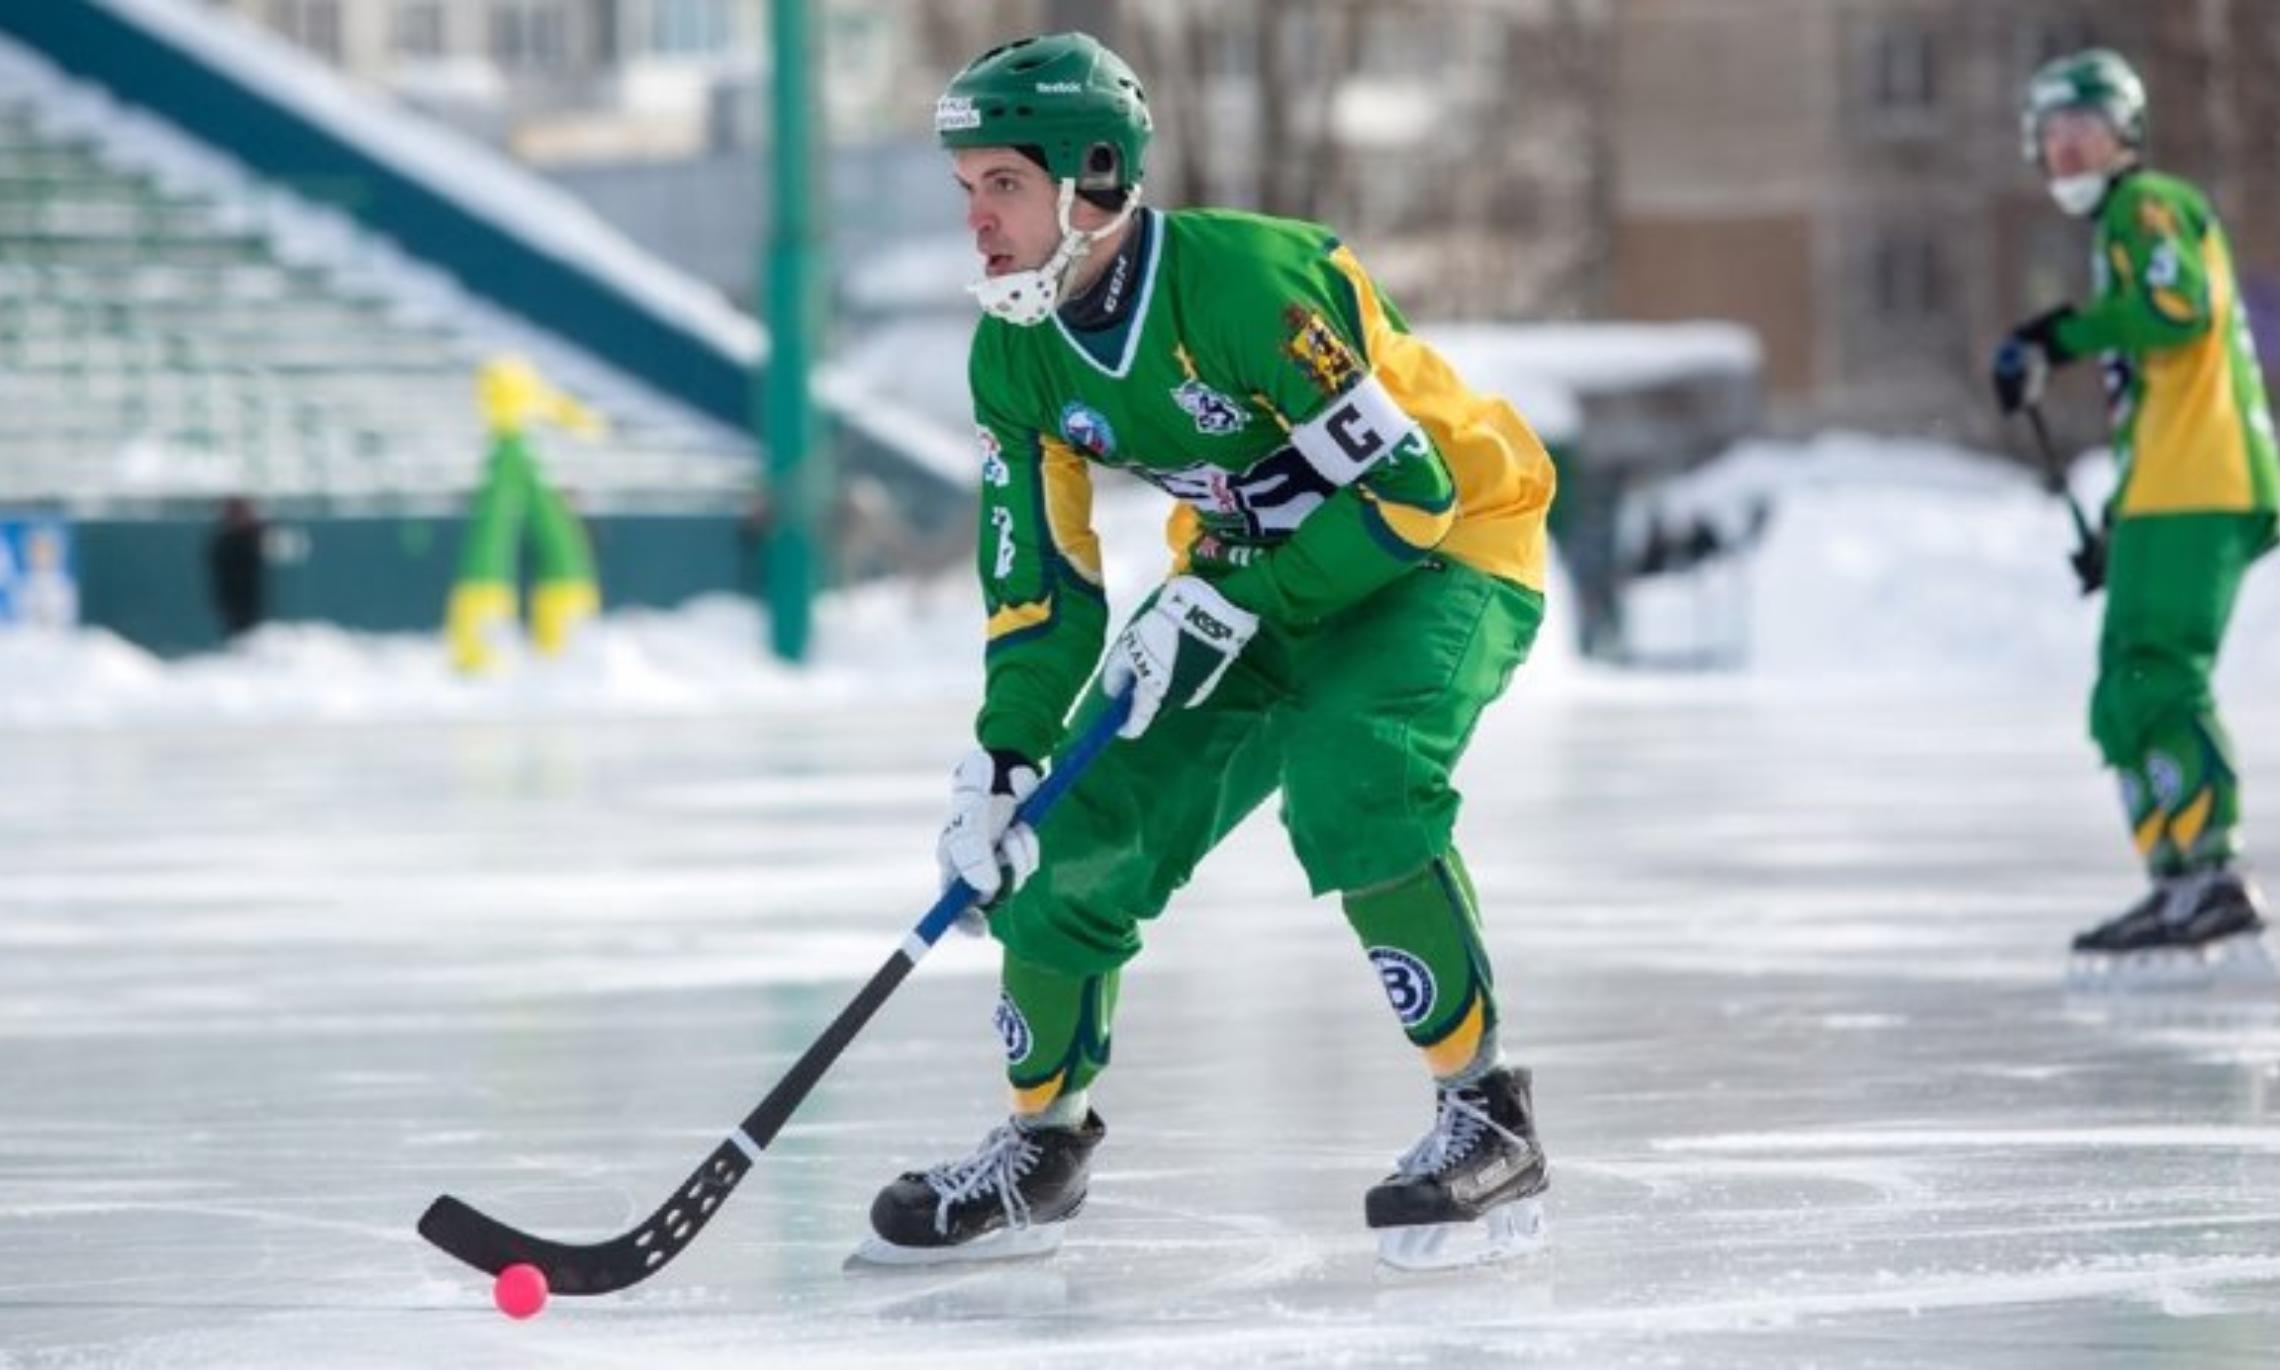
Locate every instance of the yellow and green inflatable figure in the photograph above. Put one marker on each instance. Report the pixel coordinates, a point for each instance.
(563, 592)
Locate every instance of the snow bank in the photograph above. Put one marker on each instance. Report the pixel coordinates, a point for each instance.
(1900, 565)
(1897, 559)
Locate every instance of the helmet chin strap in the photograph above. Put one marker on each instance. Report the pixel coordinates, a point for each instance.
(1028, 298)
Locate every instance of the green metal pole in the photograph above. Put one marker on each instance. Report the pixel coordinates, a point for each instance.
(799, 467)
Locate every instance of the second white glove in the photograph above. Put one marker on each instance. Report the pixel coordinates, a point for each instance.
(981, 844)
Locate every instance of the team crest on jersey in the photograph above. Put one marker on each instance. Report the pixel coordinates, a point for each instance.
(1087, 430)
(1012, 1029)
(1215, 415)
(1408, 984)
(2157, 218)
(1322, 356)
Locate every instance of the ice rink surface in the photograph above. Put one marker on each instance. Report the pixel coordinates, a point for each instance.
(1785, 961)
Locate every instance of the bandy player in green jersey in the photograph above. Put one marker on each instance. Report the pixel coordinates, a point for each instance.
(2193, 435)
(1357, 557)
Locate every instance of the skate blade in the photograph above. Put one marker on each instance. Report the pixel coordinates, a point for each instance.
(1503, 1233)
(2241, 961)
(1005, 1244)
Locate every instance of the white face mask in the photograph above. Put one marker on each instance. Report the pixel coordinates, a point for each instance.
(2079, 195)
(1028, 298)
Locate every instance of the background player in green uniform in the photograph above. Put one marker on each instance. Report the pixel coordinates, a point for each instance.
(1358, 555)
(2193, 436)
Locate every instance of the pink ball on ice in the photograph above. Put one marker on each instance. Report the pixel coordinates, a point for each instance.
(520, 1291)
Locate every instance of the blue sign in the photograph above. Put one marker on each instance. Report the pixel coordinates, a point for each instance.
(38, 585)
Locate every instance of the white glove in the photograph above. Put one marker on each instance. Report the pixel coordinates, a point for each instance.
(1176, 650)
(981, 844)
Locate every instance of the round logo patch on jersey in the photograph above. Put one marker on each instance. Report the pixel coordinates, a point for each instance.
(1087, 430)
(1012, 1030)
(1408, 984)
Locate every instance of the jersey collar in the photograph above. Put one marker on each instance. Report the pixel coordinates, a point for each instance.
(1123, 342)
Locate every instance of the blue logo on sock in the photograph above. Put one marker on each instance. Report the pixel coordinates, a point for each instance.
(1012, 1029)
(1408, 984)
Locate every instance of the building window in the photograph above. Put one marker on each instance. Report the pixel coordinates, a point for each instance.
(529, 34)
(1903, 70)
(1906, 279)
(313, 25)
(2055, 38)
(416, 28)
(688, 28)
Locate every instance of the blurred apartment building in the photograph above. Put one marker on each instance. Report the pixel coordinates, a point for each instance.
(1842, 175)
(1846, 176)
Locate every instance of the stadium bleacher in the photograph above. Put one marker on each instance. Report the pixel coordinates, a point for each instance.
(155, 344)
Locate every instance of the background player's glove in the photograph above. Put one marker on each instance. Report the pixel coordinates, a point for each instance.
(981, 844)
(2024, 358)
(1176, 650)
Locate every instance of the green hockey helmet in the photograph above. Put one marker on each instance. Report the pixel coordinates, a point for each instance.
(2093, 79)
(1062, 93)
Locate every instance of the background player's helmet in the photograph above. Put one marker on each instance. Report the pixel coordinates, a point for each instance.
(2094, 79)
(1061, 93)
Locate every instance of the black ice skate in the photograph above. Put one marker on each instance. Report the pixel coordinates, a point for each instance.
(1012, 1197)
(1470, 1190)
(2192, 930)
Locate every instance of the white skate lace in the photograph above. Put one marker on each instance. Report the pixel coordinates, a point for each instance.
(998, 1165)
(1458, 1125)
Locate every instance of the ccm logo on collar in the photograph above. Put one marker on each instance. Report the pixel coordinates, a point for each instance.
(1361, 429)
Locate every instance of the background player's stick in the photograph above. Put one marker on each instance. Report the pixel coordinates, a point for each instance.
(2054, 477)
(600, 1267)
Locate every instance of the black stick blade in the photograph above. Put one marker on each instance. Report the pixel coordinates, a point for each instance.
(603, 1267)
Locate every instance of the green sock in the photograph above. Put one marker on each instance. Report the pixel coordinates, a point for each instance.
(1055, 1029)
(1422, 933)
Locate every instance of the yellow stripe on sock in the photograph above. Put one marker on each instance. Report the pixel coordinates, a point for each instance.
(1038, 1098)
(2186, 827)
(1455, 1051)
(2149, 832)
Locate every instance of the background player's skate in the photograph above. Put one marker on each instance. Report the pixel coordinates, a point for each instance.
(2192, 931)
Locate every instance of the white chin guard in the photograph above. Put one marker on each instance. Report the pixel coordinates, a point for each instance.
(2079, 195)
(1028, 298)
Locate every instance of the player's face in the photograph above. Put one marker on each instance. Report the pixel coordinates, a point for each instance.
(1011, 208)
(2077, 142)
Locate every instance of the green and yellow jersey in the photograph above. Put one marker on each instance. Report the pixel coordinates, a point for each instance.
(2192, 429)
(1316, 449)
